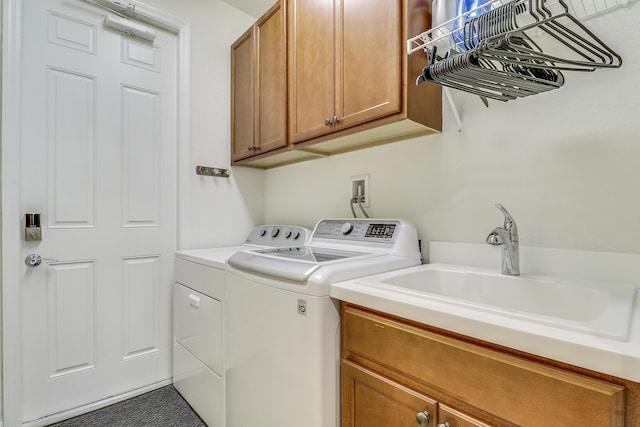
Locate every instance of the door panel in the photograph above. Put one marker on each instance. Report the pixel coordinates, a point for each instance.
(98, 144)
(368, 61)
(370, 400)
(71, 147)
(311, 68)
(457, 419)
(70, 318)
(141, 157)
(139, 278)
(271, 81)
(243, 100)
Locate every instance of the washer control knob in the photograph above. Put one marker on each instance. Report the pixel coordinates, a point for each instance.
(275, 232)
(288, 234)
(263, 232)
(347, 228)
(296, 236)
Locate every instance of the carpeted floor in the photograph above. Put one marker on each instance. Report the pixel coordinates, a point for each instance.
(162, 407)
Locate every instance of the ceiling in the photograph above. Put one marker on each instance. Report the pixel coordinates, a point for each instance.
(254, 8)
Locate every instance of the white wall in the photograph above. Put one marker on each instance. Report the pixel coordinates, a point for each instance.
(222, 211)
(566, 164)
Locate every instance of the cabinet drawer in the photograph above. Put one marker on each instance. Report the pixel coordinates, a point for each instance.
(202, 278)
(453, 418)
(517, 390)
(370, 400)
(198, 325)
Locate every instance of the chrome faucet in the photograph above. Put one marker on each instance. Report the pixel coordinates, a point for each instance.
(507, 237)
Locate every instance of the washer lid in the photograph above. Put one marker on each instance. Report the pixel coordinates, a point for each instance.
(281, 268)
(311, 254)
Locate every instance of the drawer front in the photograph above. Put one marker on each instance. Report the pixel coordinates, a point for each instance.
(207, 280)
(198, 325)
(370, 400)
(452, 418)
(512, 388)
(203, 389)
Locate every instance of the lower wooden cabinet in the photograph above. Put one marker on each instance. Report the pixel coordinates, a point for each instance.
(394, 369)
(371, 400)
(449, 417)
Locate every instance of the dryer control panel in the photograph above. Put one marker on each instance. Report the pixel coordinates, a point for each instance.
(279, 236)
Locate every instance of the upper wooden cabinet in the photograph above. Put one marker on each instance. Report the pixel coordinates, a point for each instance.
(348, 66)
(346, 63)
(349, 82)
(311, 67)
(242, 95)
(259, 87)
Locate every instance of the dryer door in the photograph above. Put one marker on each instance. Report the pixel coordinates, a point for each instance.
(198, 325)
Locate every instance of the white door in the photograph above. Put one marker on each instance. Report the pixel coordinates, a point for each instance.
(98, 151)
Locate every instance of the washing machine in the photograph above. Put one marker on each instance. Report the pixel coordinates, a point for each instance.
(282, 340)
(199, 305)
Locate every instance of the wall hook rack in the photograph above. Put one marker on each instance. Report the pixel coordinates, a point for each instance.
(210, 171)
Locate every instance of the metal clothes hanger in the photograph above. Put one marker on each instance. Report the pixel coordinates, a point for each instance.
(590, 52)
(486, 78)
(501, 60)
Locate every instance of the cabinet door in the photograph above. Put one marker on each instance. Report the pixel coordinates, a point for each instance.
(370, 400)
(498, 383)
(448, 417)
(271, 83)
(243, 96)
(311, 67)
(368, 60)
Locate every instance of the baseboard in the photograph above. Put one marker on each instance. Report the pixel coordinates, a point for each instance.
(50, 419)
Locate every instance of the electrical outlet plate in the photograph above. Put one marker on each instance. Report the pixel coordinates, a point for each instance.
(363, 181)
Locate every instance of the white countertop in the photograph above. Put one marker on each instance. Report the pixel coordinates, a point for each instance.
(212, 257)
(597, 353)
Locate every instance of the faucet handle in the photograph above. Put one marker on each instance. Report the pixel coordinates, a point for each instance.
(509, 222)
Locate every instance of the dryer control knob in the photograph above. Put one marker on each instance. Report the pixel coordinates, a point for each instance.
(275, 232)
(347, 228)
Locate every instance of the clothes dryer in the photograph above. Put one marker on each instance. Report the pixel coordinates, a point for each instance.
(199, 304)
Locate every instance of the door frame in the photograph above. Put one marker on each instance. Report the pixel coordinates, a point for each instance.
(11, 217)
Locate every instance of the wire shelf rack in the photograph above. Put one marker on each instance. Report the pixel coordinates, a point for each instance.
(442, 36)
(446, 37)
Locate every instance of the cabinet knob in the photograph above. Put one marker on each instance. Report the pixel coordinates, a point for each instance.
(423, 418)
(252, 147)
(328, 122)
(443, 425)
(336, 120)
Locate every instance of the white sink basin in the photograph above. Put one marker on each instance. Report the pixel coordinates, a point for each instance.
(594, 307)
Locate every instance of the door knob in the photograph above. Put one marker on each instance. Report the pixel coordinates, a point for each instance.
(34, 260)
